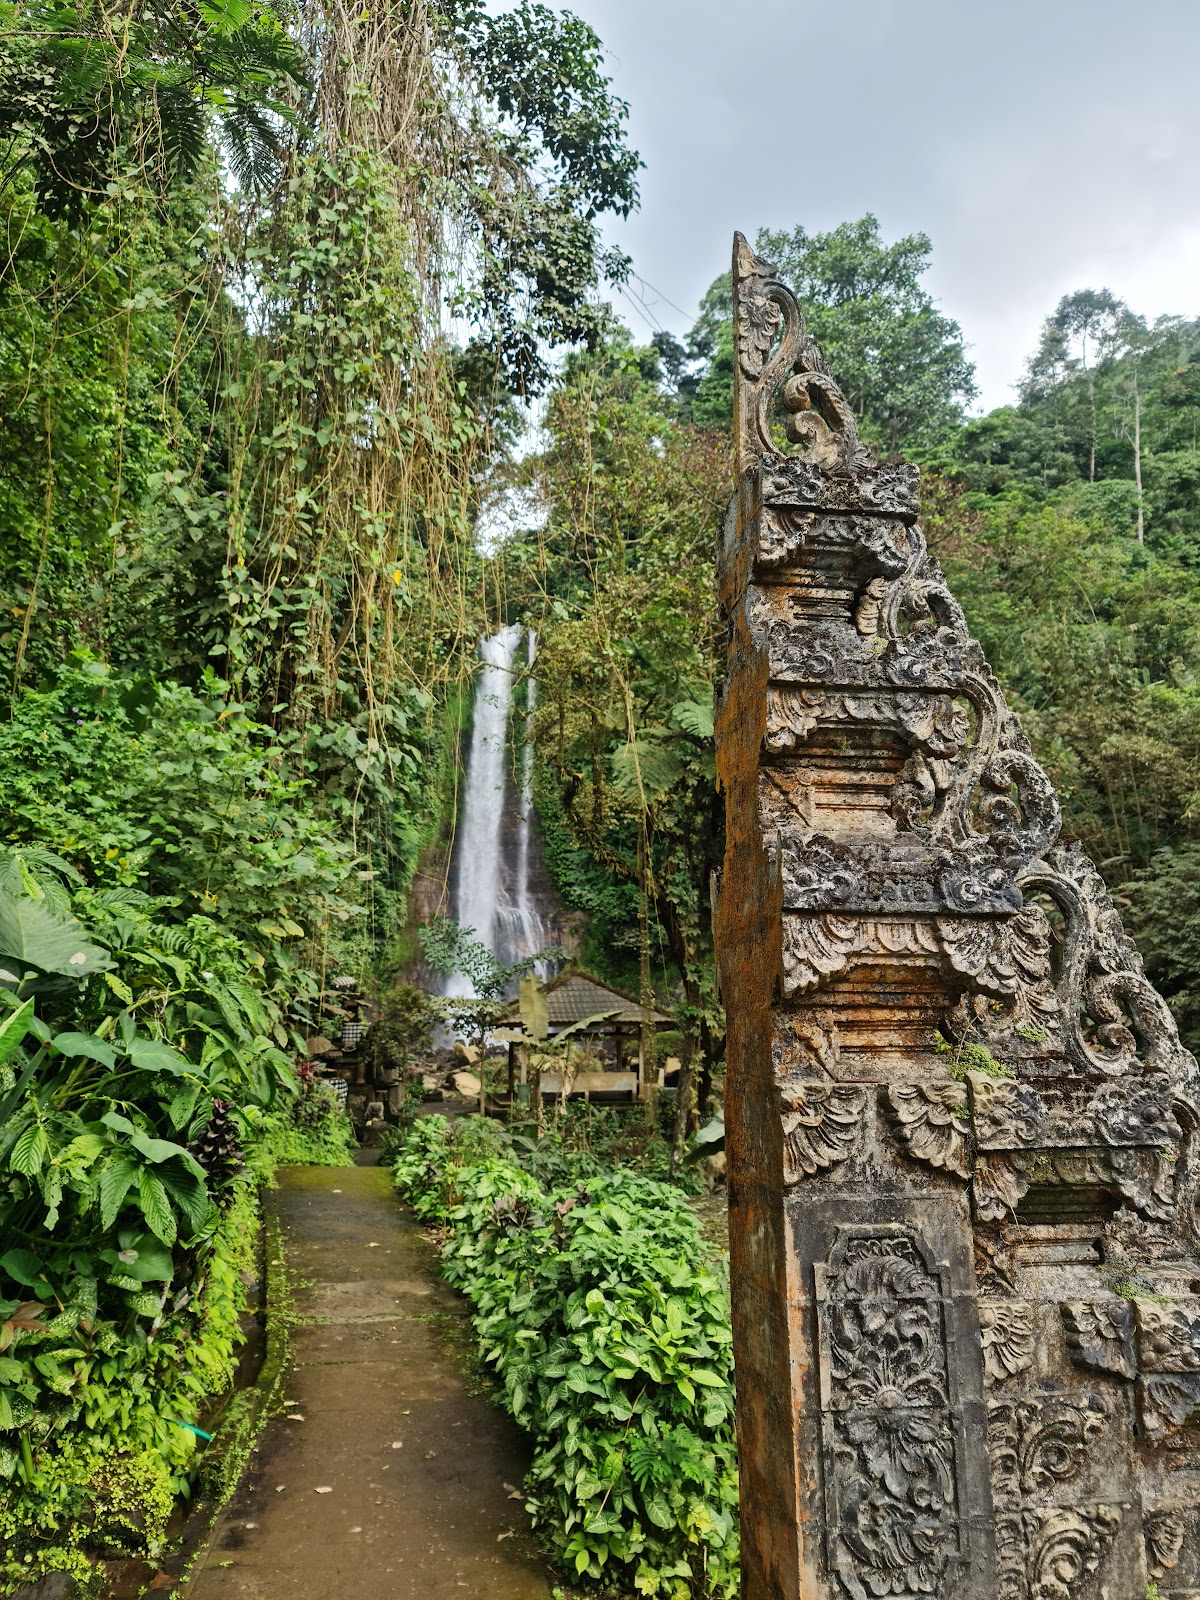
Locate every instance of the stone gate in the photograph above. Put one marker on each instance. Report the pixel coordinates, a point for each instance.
(962, 1130)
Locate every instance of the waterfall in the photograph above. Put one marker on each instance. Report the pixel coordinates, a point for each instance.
(477, 842)
(524, 932)
(491, 890)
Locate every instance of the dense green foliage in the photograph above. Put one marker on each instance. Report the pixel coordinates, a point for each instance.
(1069, 526)
(235, 434)
(608, 1330)
(127, 1194)
(239, 467)
(171, 793)
(99, 1389)
(621, 580)
(89, 94)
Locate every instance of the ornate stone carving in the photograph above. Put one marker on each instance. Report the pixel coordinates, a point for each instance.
(1100, 1335)
(1006, 959)
(1042, 1442)
(1164, 1532)
(1066, 1548)
(998, 1185)
(890, 1454)
(932, 1123)
(1006, 1331)
(1048, 1543)
(1136, 1111)
(820, 1125)
(1167, 1401)
(893, 844)
(1005, 1114)
(994, 1268)
(816, 948)
(1145, 1177)
(937, 724)
(1168, 1335)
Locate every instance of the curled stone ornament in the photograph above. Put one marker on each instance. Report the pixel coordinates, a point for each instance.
(1167, 1401)
(1145, 1177)
(998, 1185)
(1136, 1111)
(1042, 1442)
(1006, 1331)
(1005, 1114)
(1066, 1548)
(816, 947)
(890, 1443)
(932, 1123)
(1164, 1532)
(1168, 1335)
(1099, 1334)
(820, 1125)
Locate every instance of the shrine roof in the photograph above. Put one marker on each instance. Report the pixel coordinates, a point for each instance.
(574, 995)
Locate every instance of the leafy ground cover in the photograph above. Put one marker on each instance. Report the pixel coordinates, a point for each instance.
(121, 1317)
(149, 1025)
(605, 1321)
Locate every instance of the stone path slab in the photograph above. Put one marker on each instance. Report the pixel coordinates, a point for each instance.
(398, 1481)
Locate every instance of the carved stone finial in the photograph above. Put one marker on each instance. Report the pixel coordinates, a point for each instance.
(963, 1133)
(776, 358)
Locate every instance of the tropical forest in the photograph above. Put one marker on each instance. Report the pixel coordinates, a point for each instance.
(359, 655)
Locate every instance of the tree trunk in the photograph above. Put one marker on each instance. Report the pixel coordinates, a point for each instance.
(1137, 458)
(683, 1115)
(1092, 407)
(647, 1053)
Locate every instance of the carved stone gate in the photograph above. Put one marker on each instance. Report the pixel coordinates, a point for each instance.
(962, 1131)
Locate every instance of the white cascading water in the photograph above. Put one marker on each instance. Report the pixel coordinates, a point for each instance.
(492, 895)
(523, 932)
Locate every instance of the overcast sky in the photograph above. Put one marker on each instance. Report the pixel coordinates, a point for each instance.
(1043, 145)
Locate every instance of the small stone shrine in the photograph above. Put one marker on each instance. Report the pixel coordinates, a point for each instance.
(962, 1130)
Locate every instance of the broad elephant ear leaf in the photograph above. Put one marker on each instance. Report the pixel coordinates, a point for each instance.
(13, 1029)
(535, 1012)
(31, 935)
(147, 1259)
(23, 1267)
(152, 1055)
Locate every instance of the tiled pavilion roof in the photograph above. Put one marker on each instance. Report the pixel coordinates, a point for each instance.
(574, 995)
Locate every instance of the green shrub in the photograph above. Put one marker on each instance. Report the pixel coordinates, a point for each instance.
(608, 1329)
(140, 1100)
(99, 1457)
(312, 1131)
(177, 793)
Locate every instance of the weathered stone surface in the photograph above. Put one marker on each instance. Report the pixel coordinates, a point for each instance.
(962, 1130)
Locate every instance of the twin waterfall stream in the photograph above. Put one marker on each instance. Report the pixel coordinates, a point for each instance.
(495, 857)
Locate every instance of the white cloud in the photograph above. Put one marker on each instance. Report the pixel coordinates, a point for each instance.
(1043, 145)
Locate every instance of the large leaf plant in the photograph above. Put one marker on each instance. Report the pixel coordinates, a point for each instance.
(107, 1216)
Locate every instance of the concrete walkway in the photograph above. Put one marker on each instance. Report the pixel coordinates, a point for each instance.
(397, 1480)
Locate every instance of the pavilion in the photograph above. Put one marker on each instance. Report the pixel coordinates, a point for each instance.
(618, 1030)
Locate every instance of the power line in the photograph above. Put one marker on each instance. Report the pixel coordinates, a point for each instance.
(639, 306)
(646, 284)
